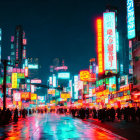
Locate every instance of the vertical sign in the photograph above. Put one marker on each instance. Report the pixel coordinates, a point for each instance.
(32, 88)
(26, 72)
(14, 80)
(50, 81)
(100, 45)
(130, 58)
(70, 85)
(130, 19)
(76, 87)
(54, 80)
(110, 56)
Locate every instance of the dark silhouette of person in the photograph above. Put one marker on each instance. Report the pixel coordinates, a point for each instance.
(16, 115)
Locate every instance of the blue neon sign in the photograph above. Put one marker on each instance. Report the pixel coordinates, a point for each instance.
(130, 19)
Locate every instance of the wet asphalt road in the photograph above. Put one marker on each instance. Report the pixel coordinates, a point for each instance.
(54, 127)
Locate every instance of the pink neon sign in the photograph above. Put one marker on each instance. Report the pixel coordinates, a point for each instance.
(61, 68)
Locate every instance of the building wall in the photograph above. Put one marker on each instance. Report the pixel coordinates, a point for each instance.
(136, 62)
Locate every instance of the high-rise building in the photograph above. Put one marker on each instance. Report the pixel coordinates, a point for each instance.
(12, 55)
(20, 45)
(0, 42)
(136, 49)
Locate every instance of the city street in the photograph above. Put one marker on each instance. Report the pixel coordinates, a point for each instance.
(53, 127)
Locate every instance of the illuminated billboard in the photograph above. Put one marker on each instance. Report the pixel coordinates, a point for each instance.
(17, 96)
(50, 81)
(37, 81)
(32, 88)
(65, 95)
(14, 80)
(54, 80)
(80, 85)
(20, 75)
(32, 66)
(99, 23)
(51, 91)
(70, 85)
(24, 41)
(33, 96)
(41, 98)
(64, 75)
(76, 87)
(26, 72)
(110, 57)
(84, 75)
(130, 19)
(61, 68)
(112, 83)
(25, 96)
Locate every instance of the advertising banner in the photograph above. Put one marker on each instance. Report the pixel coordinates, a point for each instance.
(14, 80)
(100, 50)
(17, 96)
(65, 95)
(25, 96)
(33, 96)
(130, 19)
(110, 57)
(84, 75)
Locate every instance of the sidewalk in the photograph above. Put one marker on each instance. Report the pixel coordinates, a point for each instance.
(129, 130)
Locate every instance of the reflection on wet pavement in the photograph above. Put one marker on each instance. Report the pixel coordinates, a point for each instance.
(54, 127)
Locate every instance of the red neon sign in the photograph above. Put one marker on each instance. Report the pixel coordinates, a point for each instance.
(24, 41)
(26, 72)
(100, 52)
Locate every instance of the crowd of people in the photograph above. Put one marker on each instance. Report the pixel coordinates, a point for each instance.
(7, 116)
(127, 113)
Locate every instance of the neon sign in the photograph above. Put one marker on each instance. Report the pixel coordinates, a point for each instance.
(64, 75)
(54, 80)
(14, 80)
(26, 72)
(84, 75)
(76, 87)
(24, 41)
(130, 19)
(17, 96)
(38, 81)
(110, 57)
(61, 68)
(51, 91)
(32, 66)
(41, 98)
(50, 81)
(33, 96)
(100, 45)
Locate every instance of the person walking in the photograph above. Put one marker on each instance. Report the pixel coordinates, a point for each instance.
(16, 115)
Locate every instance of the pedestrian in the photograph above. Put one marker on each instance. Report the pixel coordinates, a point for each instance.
(8, 115)
(119, 113)
(16, 115)
(94, 113)
(112, 114)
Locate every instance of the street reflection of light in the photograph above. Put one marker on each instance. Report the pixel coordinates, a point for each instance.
(52, 126)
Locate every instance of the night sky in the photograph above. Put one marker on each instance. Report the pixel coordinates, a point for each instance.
(54, 29)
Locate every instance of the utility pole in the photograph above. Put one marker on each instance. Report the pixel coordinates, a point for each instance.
(4, 84)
